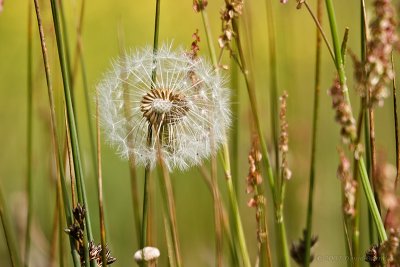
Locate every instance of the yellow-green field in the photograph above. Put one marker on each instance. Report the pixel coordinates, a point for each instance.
(104, 22)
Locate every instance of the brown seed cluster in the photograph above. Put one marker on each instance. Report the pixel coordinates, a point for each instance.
(95, 254)
(298, 249)
(387, 252)
(163, 107)
(284, 137)
(253, 180)
(254, 177)
(348, 183)
(384, 181)
(76, 231)
(374, 75)
(194, 47)
(199, 5)
(233, 9)
(343, 113)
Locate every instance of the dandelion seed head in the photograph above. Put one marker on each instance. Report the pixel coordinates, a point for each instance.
(185, 108)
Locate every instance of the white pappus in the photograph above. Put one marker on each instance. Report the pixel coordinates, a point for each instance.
(185, 111)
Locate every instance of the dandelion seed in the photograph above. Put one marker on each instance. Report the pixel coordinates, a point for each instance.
(185, 109)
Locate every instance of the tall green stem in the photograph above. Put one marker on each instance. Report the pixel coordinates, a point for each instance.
(342, 78)
(314, 138)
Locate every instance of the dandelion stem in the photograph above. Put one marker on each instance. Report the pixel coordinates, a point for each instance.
(169, 209)
(314, 138)
(29, 183)
(58, 157)
(342, 78)
(8, 232)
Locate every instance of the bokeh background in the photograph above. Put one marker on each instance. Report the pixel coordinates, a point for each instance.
(103, 22)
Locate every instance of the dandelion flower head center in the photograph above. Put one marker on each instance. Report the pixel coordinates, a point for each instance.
(162, 106)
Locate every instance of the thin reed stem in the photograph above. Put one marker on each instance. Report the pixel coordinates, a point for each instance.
(273, 90)
(29, 183)
(317, 85)
(364, 38)
(100, 188)
(9, 232)
(321, 30)
(54, 233)
(396, 127)
(342, 78)
(61, 233)
(207, 29)
(67, 208)
(355, 244)
(217, 212)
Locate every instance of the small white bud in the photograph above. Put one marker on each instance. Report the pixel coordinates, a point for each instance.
(146, 254)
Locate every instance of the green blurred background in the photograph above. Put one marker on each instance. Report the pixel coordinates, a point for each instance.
(102, 21)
